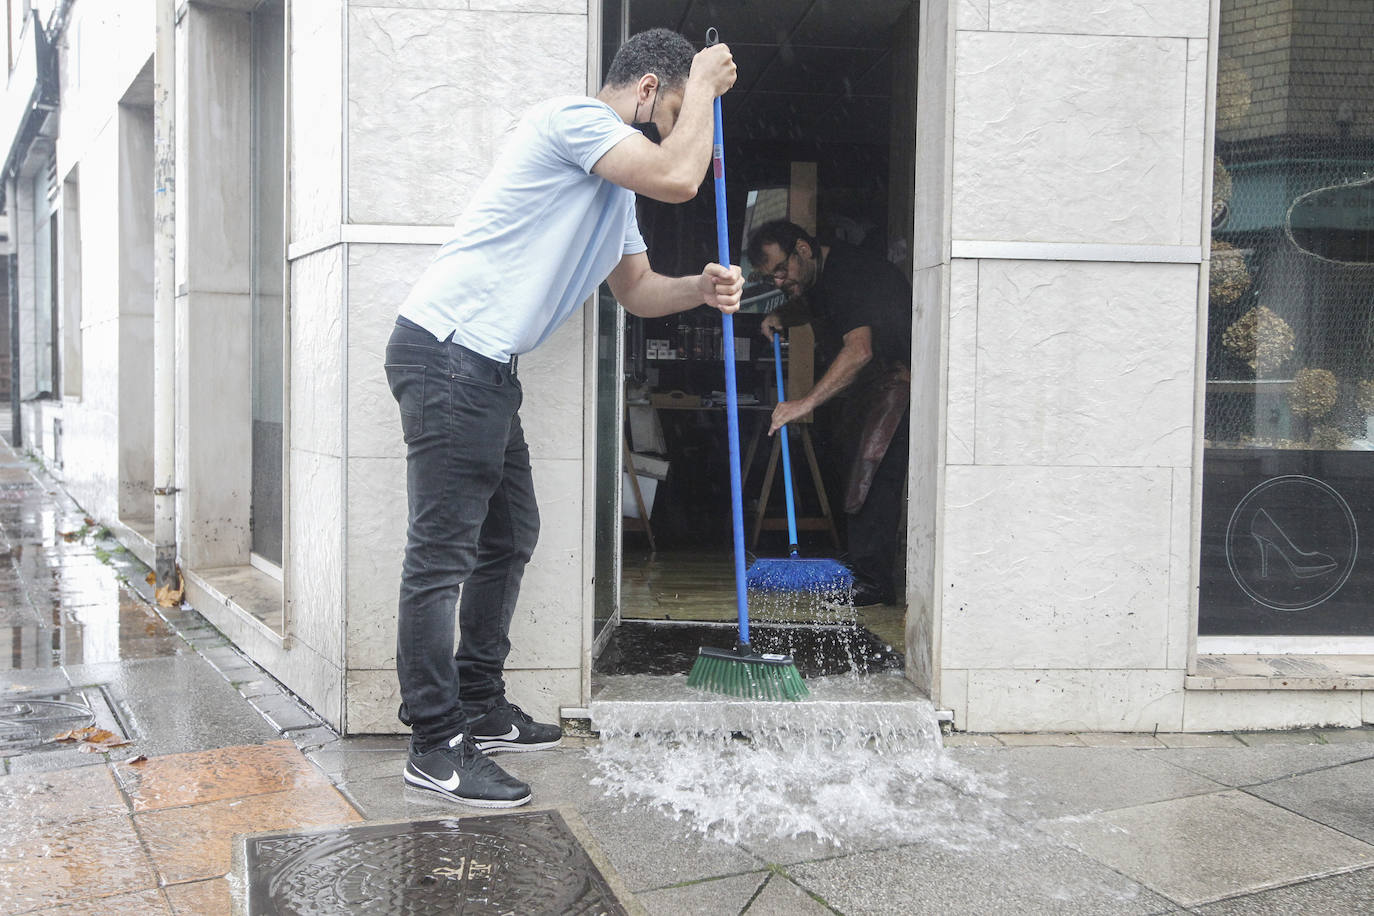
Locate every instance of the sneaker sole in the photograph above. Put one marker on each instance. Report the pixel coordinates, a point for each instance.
(419, 781)
(496, 745)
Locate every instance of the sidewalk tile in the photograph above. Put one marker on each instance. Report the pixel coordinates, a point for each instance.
(143, 903)
(1350, 894)
(197, 841)
(1363, 735)
(58, 863)
(1055, 781)
(1031, 875)
(1198, 739)
(1289, 737)
(780, 897)
(67, 796)
(1246, 766)
(966, 740)
(206, 776)
(201, 898)
(1200, 849)
(1036, 739)
(637, 843)
(1341, 797)
(704, 898)
(1119, 739)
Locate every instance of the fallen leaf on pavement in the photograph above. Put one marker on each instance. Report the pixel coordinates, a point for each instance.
(139, 759)
(93, 739)
(70, 536)
(151, 578)
(169, 595)
(89, 521)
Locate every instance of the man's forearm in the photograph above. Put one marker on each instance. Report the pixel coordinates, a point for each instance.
(841, 374)
(655, 295)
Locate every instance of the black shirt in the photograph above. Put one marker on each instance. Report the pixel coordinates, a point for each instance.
(858, 288)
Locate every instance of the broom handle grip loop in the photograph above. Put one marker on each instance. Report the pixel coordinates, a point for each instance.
(731, 394)
(786, 455)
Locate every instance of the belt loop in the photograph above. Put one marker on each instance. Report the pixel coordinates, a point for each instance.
(513, 361)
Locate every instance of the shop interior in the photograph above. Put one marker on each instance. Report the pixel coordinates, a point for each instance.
(819, 129)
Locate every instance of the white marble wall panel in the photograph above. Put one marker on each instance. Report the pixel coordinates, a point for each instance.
(1084, 363)
(547, 629)
(317, 328)
(90, 471)
(432, 93)
(213, 209)
(374, 695)
(1160, 18)
(1367, 706)
(1182, 549)
(503, 6)
(1075, 700)
(934, 136)
(379, 277)
(1089, 150)
(1246, 710)
(973, 15)
(555, 403)
(961, 380)
(924, 470)
(214, 416)
(376, 546)
(953, 695)
(317, 112)
(1194, 214)
(314, 571)
(1056, 567)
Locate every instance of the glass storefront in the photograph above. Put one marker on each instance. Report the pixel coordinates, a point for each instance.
(1288, 486)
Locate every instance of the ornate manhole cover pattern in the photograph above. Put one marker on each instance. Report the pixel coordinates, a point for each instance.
(27, 722)
(526, 864)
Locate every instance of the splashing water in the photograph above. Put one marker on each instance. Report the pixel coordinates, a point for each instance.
(846, 767)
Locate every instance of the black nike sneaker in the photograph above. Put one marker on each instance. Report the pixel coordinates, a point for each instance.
(458, 770)
(507, 727)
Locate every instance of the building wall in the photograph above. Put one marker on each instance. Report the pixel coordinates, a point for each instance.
(1066, 523)
(423, 126)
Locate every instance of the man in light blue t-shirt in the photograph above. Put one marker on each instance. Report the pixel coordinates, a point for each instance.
(554, 218)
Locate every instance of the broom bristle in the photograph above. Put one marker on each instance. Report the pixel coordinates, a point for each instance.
(795, 574)
(747, 675)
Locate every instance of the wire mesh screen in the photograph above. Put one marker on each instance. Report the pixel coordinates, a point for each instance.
(1290, 357)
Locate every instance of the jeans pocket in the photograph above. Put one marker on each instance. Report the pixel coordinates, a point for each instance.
(407, 385)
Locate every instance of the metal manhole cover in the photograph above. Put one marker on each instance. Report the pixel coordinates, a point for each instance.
(528, 864)
(28, 722)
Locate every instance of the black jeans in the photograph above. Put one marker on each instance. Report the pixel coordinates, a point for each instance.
(473, 524)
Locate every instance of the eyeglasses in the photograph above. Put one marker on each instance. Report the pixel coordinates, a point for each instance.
(779, 273)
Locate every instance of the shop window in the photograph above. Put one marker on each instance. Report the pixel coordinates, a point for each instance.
(1288, 487)
(268, 282)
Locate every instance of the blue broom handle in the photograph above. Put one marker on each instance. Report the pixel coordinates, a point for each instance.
(731, 395)
(786, 456)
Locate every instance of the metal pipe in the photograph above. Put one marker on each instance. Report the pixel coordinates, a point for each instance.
(164, 296)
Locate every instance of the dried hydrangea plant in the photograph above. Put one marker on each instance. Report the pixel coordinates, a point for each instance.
(1329, 439)
(1261, 338)
(1229, 278)
(1364, 396)
(1314, 393)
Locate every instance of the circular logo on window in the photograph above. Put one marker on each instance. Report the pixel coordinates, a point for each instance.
(1291, 543)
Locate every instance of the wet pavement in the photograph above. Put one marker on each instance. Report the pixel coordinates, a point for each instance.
(217, 751)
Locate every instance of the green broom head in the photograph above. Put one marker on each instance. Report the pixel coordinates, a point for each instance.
(795, 574)
(742, 672)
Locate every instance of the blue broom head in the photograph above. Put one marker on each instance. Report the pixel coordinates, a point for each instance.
(795, 574)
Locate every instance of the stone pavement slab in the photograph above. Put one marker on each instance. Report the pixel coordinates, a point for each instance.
(1043, 782)
(1247, 766)
(214, 775)
(781, 897)
(1034, 874)
(1341, 797)
(51, 864)
(650, 850)
(710, 897)
(1203, 848)
(1351, 894)
(201, 898)
(145, 903)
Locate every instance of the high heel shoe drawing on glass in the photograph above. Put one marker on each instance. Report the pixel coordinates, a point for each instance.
(1303, 564)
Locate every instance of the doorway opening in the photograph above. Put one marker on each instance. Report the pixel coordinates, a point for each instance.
(819, 130)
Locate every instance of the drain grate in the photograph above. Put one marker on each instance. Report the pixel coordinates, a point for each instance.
(526, 863)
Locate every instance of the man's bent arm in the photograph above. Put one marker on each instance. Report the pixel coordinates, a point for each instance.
(652, 295)
(856, 353)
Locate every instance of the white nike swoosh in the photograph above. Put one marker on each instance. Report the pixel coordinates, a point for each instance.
(450, 784)
(511, 735)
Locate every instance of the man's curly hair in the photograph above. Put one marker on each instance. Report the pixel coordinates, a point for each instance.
(662, 52)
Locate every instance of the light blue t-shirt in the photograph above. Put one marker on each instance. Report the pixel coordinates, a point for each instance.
(538, 237)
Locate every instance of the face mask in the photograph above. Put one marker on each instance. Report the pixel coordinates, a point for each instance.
(648, 128)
